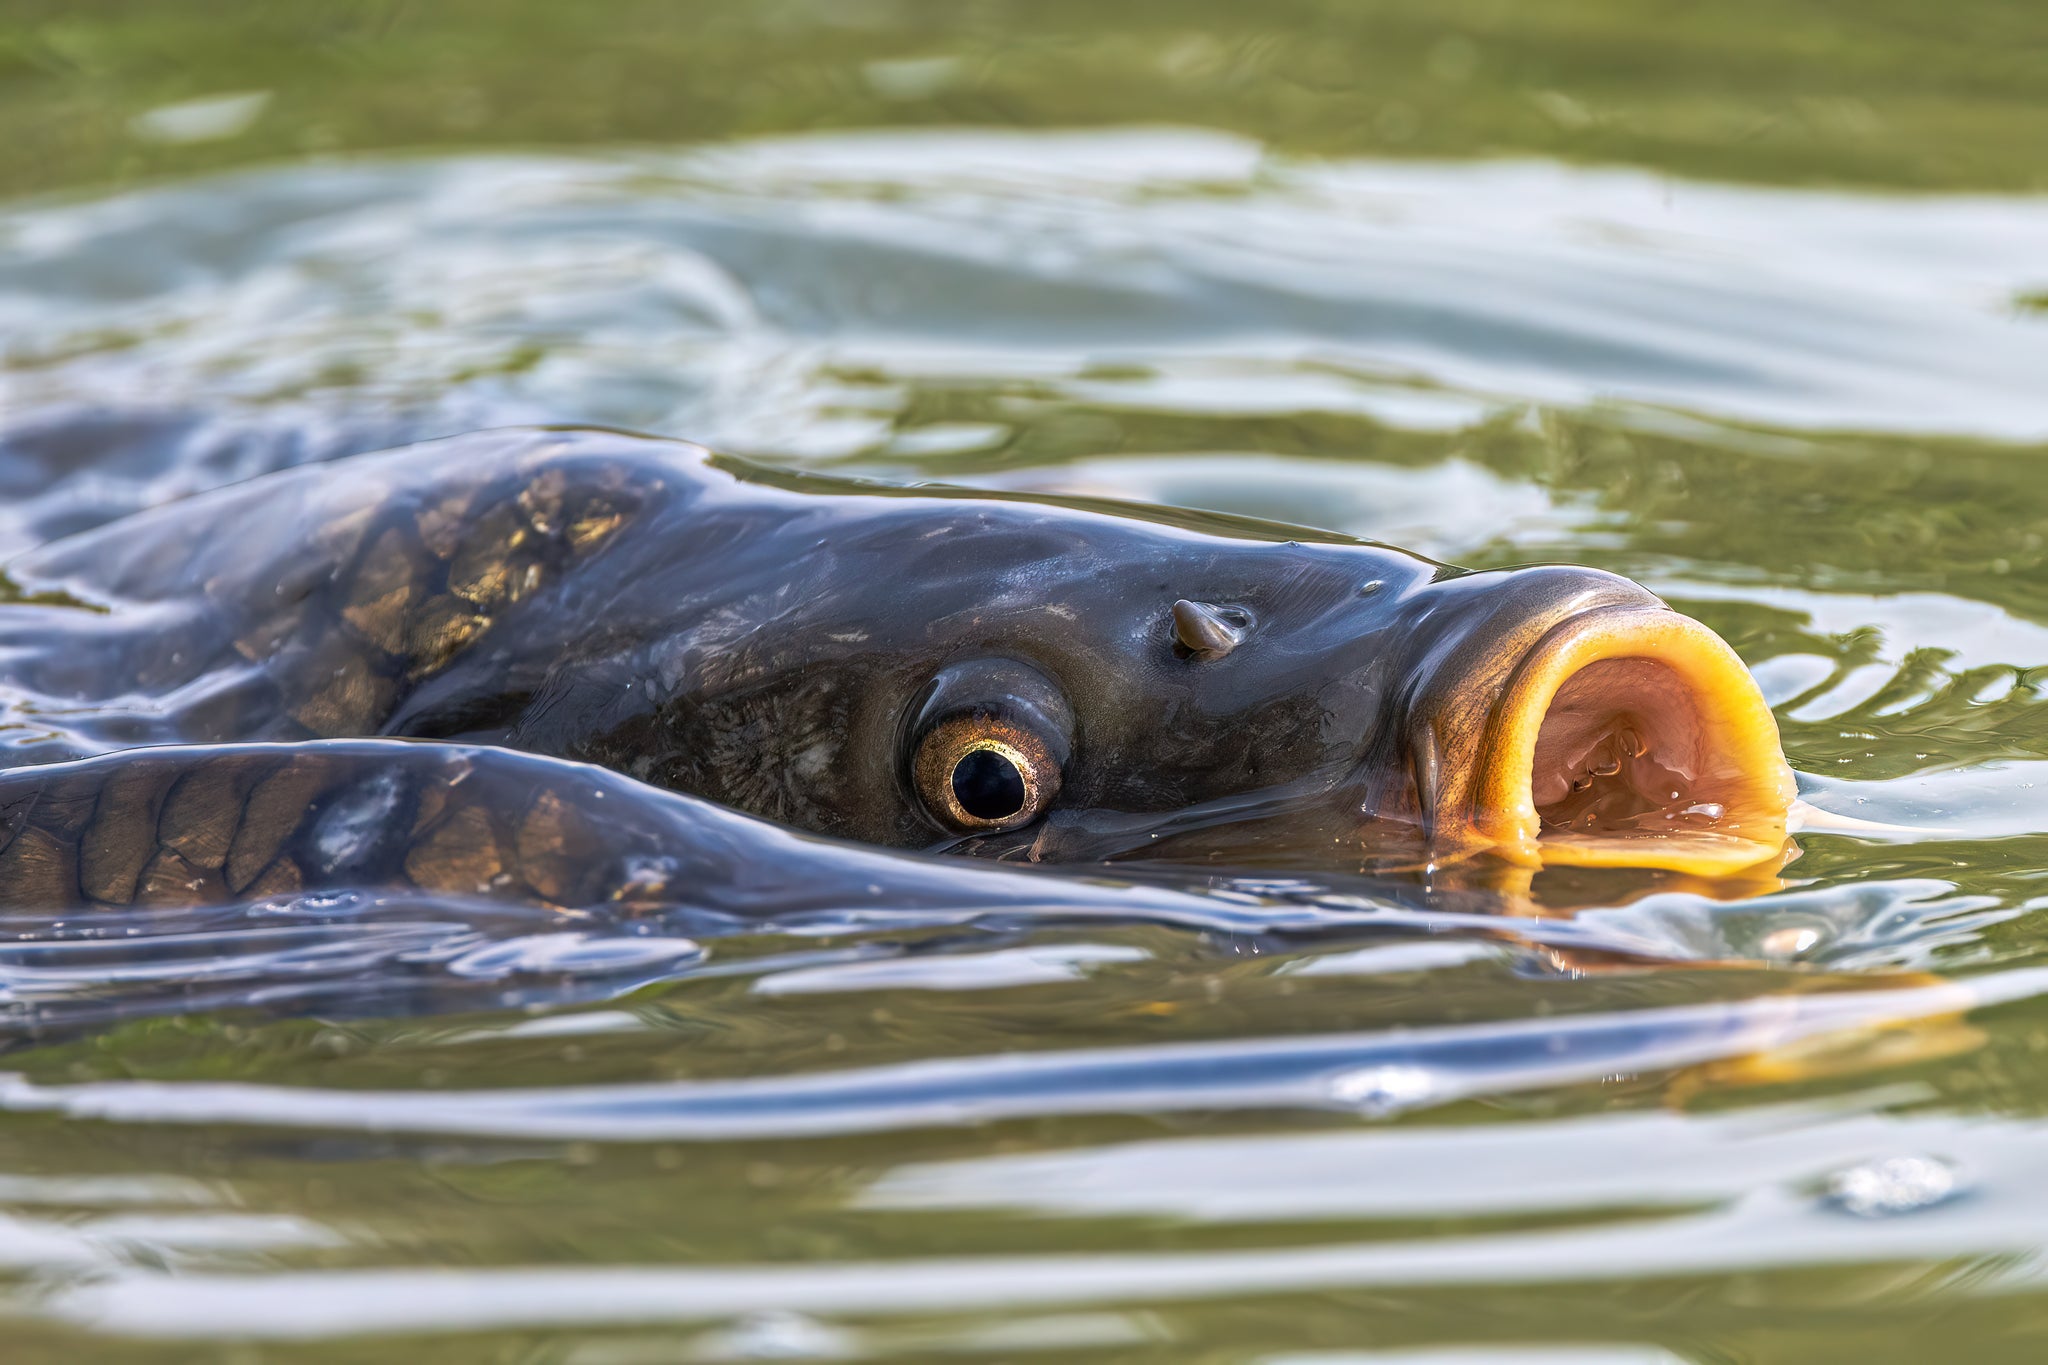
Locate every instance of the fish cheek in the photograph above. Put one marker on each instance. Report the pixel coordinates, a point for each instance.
(1349, 712)
(1284, 742)
(1181, 753)
(800, 748)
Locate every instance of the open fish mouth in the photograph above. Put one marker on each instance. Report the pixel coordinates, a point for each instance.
(1632, 736)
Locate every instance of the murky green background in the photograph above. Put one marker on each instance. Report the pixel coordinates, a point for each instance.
(1883, 92)
(1744, 299)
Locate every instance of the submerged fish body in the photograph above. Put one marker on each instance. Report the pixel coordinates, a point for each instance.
(906, 668)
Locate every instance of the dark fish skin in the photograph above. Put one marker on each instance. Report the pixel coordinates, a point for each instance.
(453, 824)
(770, 643)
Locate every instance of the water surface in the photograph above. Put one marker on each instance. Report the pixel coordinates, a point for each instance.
(1351, 1131)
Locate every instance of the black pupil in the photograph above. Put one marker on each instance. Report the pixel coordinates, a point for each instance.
(988, 786)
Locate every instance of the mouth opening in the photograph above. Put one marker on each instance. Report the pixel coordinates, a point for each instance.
(1634, 737)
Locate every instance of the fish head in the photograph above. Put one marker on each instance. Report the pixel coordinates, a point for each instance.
(1549, 716)
(1020, 679)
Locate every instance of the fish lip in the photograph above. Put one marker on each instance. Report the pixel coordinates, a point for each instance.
(1496, 808)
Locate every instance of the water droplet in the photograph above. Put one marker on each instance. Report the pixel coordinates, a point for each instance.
(321, 903)
(1379, 1090)
(1790, 941)
(643, 876)
(356, 826)
(573, 954)
(777, 1335)
(1892, 1186)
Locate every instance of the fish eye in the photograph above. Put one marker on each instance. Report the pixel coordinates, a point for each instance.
(985, 744)
(980, 774)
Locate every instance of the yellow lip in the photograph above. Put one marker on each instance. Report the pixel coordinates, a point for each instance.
(1652, 729)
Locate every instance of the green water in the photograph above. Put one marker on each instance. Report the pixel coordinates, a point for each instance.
(1883, 92)
(1743, 300)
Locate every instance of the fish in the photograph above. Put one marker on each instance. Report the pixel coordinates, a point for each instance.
(937, 670)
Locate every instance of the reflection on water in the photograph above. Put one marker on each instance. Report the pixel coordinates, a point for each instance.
(1376, 1074)
(795, 296)
(1275, 1120)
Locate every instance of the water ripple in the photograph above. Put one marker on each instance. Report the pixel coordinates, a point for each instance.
(1430, 1066)
(751, 296)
